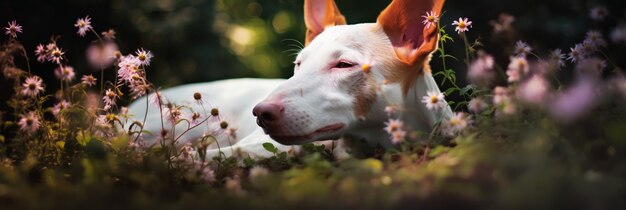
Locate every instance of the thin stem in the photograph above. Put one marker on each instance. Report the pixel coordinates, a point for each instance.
(27, 61)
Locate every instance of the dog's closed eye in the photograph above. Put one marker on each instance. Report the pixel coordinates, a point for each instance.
(343, 64)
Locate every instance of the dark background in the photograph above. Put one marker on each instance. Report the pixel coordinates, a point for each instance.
(196, 41)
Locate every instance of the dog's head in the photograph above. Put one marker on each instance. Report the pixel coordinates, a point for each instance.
(338, 74)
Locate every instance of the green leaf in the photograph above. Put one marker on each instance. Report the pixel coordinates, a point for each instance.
(270, 147)
(464, 90)
(248, 162)
(83, 137)
(449, 91)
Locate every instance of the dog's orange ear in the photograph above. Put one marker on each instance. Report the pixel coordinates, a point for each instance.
(402, 22)
(318, 14)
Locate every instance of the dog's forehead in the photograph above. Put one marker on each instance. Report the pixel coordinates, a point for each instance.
(337, 38)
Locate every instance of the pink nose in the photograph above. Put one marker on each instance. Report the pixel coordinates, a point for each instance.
(267, 113)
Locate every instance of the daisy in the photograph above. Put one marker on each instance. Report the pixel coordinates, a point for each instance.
(32, 86)
(172, 114)
(477, 105)
(29, 122)
(128, 68)
(109, 35)
(65, 73)
(13, 29)
(595, 38)
(83, 25)
(430, 19)
(462, 25)
(137, 87)
(144, 56)
(88, 80)
(589, 47)
(457, 123)
(434, 100)
(59, 107)
(109, 99)
(576, 53)
(557, 57)
(393, 125)
(522, 49)
(390, 110)
(398, 136)
(41, 53)
(517, 68)
(598, 13)
(56, 55)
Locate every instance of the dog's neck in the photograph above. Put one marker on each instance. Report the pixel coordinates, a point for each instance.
(410, 109)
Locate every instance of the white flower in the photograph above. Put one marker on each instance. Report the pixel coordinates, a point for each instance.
(56, 55)
(391, 109)
(576, 54)
(430, 19)
(557, 57)
(29, 122)
(434, 100)
(517, 68)
(65, 73)
(462, 25)
(144, 56)
(109, 99)
(398, 136)
(457, 123)
(393, 125)
(595, 38)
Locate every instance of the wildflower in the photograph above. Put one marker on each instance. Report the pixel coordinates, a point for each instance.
(172, 114)
(576, 54)
(430, 19)
(589, 47)
(434, 100)
(595, 38)
(144, 56)
(522, 49)
(32, 86)
(618, 35)
(10, 72)
(83, 25)
(534, 90)
(391, 109)
(56, 55)
(575, 101)
(477, 105)
(101, 56)
(258, 171)
(398, 136)
(195, 118)
(500, 95)
(457, 123)
(128, 68)
(593, 66)
(503, 23)
(223, 124)
(598, 13)
(13, 29)
(29, 122)
(41, 53)
(187, 153)
(462, 25)
(393, 125)
(59, 107)
(481, 70)
(109, 35)
(157, 99)
(65, 73)
(138, 87)
(88, 80)
(557, 57)
(109, 99)
(517, 68)
(102, 122)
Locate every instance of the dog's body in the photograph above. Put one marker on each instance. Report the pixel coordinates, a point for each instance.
(343, 80)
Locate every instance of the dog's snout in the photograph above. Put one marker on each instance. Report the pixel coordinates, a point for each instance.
(267, 112)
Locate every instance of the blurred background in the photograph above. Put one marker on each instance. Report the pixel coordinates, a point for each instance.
(206, 40)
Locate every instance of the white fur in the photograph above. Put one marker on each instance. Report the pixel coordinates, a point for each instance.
(315, 96)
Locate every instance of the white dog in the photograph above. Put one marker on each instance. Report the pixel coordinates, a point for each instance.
(343, 80)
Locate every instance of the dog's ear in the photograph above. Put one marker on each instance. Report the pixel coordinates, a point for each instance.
(318, 14)
(412, 41)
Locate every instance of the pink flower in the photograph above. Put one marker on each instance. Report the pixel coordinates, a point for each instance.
(477, 105)
(65, 73)
(390, 110)
(144, 56)
(41, 53)
(576, 54)
(29, 122)
(534, 90)
(517, 68)
(59, 107)
(109, 35)
(88, 80)
(101, 56)
(481, 70)
(591, 66)
(575, 101)
(522, 49)
(109, 99)
(56, 55)
(32, 86)
(83, 25)
(172, 114)
(462, 25)
(430, 18)
(456, 124)
(557, 58)
(434, 100)
(500, 95)
(393, 125)
(128, 68)
(595, 38)
(13, 29)
(398, 136)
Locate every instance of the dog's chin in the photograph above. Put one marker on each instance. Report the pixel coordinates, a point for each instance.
(331, 132)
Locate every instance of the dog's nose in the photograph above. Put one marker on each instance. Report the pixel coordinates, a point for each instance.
(267, 112)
